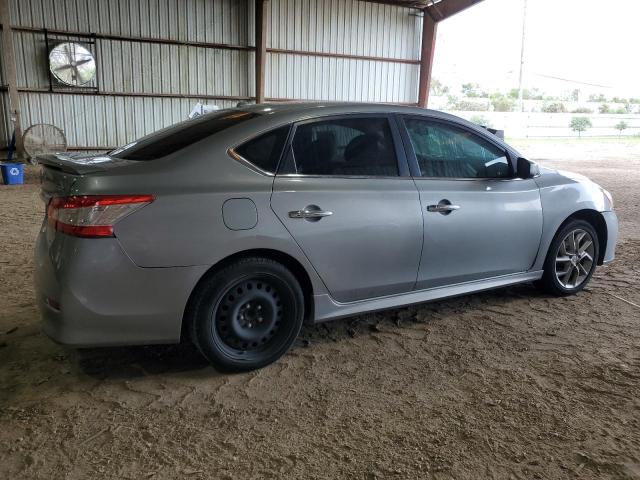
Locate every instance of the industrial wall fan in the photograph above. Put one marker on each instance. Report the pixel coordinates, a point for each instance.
(43, 138)
(72, 64)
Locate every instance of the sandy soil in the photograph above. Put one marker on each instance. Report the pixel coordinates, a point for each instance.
(506, 384)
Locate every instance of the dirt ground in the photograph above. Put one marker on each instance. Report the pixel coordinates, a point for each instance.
(505, 384)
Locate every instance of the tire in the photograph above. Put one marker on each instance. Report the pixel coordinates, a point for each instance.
(246, 315)
(565, 266)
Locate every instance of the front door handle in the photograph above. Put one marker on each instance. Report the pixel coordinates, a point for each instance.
(444, 207)
(310, 212)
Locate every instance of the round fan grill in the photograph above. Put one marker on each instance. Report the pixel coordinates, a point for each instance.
(43, 138)
(72, 64)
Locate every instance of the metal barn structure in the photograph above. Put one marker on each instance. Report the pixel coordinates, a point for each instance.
(156, 58)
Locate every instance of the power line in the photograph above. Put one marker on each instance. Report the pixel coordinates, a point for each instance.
(570, 80)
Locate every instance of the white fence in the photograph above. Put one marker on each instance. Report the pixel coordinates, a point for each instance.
(530, 124)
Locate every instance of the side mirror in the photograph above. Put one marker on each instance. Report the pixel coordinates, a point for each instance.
(526, 169)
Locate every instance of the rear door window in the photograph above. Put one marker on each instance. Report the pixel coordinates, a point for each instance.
(181, 135)
(361, 146)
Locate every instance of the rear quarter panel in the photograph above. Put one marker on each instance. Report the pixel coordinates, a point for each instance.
(184, 225)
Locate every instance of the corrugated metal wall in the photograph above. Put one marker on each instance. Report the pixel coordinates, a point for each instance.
(140, 80)
(128, 67)
(5, 122)
(343, 27)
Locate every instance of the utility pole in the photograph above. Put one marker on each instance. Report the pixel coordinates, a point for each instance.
(524, 30)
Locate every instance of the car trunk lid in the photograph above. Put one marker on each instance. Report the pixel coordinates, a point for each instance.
(79, 164)
(61, 171)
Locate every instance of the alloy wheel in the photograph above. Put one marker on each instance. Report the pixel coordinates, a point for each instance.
(574, 259)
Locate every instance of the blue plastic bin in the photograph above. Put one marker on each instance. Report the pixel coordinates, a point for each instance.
(12, 173)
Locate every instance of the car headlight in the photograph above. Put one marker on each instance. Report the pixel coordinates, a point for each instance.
(607, 194)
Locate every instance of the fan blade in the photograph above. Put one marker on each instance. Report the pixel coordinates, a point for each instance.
(63, 67)
(68, 52)
(82, 62)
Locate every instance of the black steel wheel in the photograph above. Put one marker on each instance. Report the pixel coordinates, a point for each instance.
(247, 315)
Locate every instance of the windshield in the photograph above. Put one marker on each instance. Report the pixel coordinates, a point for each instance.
(181, 135)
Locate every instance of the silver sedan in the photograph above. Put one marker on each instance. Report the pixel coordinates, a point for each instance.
(234, 228)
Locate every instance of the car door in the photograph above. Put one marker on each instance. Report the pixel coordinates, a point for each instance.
(345, 194)
(479, 220)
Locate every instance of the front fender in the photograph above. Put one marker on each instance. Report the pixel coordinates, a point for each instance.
(563, 194)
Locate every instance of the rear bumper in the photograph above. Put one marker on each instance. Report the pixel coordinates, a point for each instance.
(91, 294)
(612, 236)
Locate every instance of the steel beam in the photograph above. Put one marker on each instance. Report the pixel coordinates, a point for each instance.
(9, 62)
(447, 8)
(429, 30)
(307, 53)
(261, 48)
(132, 38)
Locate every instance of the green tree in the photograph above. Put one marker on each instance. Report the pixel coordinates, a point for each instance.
(502, 103)
(533, 94)
(557, 107)
(580, 124)
(472, 90)
(437, 88)
(620, 126)
(463, 105)
(604, 108)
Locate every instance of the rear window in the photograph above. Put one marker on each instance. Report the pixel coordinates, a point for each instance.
(182, 135)
(264, 151)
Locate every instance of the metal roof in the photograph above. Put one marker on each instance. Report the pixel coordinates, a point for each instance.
(408, 3)
(437, 9)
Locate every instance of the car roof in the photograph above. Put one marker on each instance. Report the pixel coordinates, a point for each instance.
(315, 108)
(272, 113)
(280, 113)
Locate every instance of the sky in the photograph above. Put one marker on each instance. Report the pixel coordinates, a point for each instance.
(591, 41)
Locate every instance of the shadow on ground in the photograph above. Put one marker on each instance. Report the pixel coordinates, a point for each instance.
(140, 361)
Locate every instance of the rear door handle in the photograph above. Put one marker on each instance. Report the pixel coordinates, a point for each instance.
(310, 212)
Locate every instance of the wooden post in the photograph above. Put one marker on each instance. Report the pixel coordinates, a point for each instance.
(9, 61)
(261, 49)
(429, 29)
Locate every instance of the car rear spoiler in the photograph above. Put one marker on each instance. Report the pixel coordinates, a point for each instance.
(80, 164)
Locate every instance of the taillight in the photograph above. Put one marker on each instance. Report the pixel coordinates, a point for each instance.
(92, 216)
